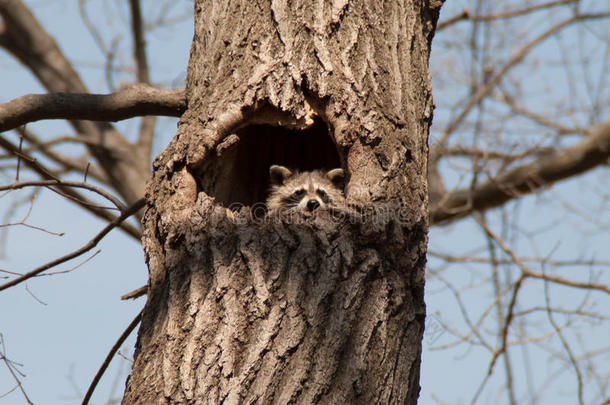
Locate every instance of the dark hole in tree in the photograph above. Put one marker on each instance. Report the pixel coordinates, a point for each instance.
(240, 175)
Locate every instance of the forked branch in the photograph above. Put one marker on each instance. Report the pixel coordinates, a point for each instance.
(592, 151)
(90, 245)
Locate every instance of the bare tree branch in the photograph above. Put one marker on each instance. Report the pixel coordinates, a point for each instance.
(25, 217)
(147, 124)
(90, 245)
(13, 371)
(126, 166)
(564, 343)
(135, 293)
(487, 154)
(67, 183)
(592, 151)
(437, 149)
(68, 191)
(109, 356)
(529, 273)
(466, 15)
(474, 259)
(109, 54)
(139, 43)
(25, 38)
(540, 119)
(136, 100)
(75, 165)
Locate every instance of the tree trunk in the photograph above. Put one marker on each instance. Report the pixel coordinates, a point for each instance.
(244, 308)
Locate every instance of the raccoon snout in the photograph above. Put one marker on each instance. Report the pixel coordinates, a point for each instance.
(312, 204)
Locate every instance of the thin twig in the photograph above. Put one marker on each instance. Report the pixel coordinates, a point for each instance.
(19, 158)
(25, 217)
(10, 369)
(109, 357)
(530, 177)
(9, 391)
(90, 245)
(68, 183)
(74, 195)
(465, 15)
(27, 40)
(73, 267)
(146, 132)
(564, 343)
(529, 273)
(34, 296)
(45, 148)
(474, 259)
(483, 91)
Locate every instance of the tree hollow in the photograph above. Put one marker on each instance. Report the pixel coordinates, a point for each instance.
(240, 170)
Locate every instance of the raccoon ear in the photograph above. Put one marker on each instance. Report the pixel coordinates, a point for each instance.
(337, 177)
(279, 174)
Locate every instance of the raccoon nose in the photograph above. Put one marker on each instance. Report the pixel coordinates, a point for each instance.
(312, 204)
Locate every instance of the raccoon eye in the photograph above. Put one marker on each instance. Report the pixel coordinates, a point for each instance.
(322, 195)
(299, 193)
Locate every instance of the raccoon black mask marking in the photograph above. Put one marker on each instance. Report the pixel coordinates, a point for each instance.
(304, 192)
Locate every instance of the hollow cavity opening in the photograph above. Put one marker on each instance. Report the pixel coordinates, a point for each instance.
(240, 173)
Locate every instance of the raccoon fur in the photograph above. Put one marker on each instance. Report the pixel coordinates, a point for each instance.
(304, 192)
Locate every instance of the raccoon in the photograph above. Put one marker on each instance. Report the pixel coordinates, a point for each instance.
(304, 192)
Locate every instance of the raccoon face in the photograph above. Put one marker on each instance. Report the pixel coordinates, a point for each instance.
(304, 192)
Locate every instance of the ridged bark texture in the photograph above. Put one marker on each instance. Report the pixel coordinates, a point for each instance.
(249, 309)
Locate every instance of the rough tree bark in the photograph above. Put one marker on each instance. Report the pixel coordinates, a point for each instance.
(330, 310)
